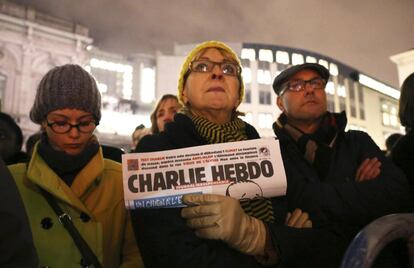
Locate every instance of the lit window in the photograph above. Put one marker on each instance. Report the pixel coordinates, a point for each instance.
(147, 85)
(386, 119)
(333, 69)
(265, 120)
(311, 59)
(330, 88)
(264, 77)
(127, 85)
(341, 91)
(389, 113)
(282, 57)
(393, 120)
(247, 74)
(297, 59)
(248, 53)
(124, 69)
(265, 55)
(324, 63)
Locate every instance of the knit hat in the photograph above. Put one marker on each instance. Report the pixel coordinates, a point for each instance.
(193, 53)
(66, 86)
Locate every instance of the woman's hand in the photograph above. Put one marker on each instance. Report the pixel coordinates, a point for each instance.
(222, 217)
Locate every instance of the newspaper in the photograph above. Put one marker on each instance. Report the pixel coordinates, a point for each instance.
(244, 169)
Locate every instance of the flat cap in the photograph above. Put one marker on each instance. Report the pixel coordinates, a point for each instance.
(285, 75)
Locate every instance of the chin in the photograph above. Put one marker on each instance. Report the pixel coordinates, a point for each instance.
(74, 152)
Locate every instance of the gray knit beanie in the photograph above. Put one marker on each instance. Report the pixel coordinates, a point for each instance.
(66, 86)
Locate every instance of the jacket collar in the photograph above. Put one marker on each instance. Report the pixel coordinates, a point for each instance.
(39, 173)
(341, 121)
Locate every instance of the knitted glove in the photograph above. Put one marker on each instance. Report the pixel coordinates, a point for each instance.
(221, 217)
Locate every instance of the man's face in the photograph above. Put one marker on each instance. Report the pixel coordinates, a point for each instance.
(305, 106)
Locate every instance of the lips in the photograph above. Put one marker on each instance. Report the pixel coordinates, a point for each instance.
(73, 146)
(215, 89)
(310, 102)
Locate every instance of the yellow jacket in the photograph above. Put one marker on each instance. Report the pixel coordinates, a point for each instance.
(95, 202)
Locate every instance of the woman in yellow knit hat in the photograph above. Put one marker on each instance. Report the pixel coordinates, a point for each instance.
(211, 88)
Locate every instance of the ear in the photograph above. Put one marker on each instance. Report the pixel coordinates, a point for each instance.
(279, 102)
(43, 125)
(184, 93)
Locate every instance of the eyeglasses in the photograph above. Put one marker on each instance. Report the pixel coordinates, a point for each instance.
(206, 66)
(64, 127)
(299, 85)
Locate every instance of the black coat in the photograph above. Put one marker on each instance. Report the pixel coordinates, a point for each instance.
(16, 243)
(165, 240)
(402, 154)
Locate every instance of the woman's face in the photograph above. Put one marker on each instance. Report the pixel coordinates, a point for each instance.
(74, 141)
(212, 90)
(166, 111)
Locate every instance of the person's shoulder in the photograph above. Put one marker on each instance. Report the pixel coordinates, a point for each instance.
(151, 143)
(111, 165)
(251, 131)
(357, 135)
(403, 145)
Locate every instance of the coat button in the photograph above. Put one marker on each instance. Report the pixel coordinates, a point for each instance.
(85, 217)
(46, 223)
(84, 263)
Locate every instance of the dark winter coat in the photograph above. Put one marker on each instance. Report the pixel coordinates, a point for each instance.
(16, 243)
(402, 154)
(166, 241)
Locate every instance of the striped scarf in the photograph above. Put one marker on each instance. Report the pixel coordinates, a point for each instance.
(235, 130)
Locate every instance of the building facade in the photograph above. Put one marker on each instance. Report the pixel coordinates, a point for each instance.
(31, 43)
(370, 105)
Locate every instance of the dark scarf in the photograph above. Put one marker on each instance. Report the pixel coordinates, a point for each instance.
(235, 130)
(316, 147)
(64, 165)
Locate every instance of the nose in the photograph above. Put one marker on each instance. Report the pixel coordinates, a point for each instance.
(308, 87)
(216, 73)
(74, 132)
(168, 118)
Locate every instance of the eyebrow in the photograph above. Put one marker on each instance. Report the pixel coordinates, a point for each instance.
(207, 58)
(66, 117)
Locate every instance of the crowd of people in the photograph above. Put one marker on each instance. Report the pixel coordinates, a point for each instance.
(65, 205)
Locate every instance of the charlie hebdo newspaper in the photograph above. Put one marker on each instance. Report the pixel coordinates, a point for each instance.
(244, 169)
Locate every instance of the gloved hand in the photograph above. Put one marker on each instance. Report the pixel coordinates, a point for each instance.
(221, 217)
(298, 219)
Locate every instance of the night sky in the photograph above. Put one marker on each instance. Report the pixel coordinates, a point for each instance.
(359, 33)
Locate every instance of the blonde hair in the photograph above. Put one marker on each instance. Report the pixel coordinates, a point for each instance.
(153, 117)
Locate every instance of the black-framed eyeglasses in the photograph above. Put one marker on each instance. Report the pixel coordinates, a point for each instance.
(64, 127)
(206, 66)
(299, 85)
